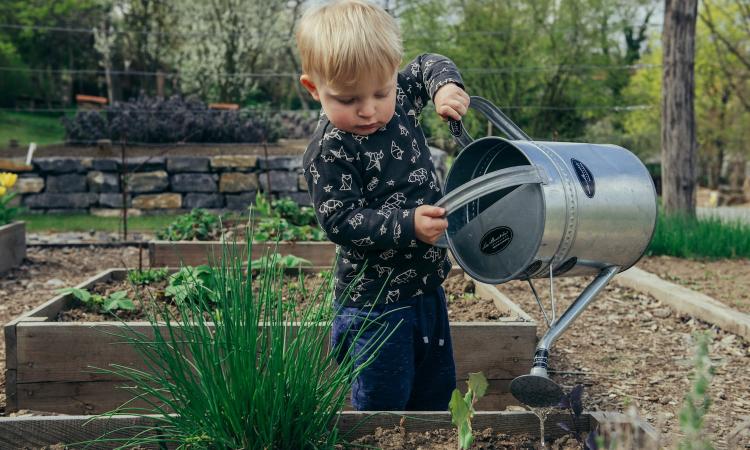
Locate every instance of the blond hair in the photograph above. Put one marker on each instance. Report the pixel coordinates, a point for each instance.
(344, 41)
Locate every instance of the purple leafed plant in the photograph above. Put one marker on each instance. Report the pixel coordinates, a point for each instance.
(572, 401)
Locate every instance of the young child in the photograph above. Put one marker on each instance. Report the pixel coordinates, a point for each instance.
(372, 181)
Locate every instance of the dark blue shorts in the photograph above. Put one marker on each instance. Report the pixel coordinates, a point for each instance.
(414, 369)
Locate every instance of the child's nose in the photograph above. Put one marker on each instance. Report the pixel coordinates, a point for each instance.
(367, 109)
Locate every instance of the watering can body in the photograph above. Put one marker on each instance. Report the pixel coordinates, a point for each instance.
(587, 207)
(519, 209)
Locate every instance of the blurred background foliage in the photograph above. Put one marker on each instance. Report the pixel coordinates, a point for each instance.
(578, 70)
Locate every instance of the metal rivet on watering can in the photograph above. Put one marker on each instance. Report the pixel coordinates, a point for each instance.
(519, 209)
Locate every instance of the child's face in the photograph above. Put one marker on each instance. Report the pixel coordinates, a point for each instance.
(361, 108)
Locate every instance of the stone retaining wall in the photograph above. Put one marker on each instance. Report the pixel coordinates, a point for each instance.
(164, 184)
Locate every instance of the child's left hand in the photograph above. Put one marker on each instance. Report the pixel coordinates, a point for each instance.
(451, 102)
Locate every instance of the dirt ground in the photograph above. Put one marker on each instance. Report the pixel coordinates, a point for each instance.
(726, 280)
(626, 348)
(45, 271)
(463, 306)
(629, 349)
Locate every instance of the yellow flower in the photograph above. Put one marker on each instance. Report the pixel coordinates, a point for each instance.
(2, 190)
(7, 180)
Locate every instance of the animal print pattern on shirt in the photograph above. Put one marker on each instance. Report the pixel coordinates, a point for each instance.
(365, 190)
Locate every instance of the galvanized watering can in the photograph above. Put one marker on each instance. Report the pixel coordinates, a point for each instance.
(519, 209)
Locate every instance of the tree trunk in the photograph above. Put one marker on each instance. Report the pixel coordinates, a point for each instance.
(678, 144)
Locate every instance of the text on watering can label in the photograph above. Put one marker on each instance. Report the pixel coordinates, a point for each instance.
(496, 240)
(585, 177)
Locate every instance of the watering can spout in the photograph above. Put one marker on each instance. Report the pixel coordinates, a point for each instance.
(536, 389)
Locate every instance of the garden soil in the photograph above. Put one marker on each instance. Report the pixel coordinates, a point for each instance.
(401, 439)
(725, 280)
(627, 348)
(46, 270)
(463, 306)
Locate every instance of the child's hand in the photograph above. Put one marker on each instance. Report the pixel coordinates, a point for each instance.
(451, 102)
(429, 223)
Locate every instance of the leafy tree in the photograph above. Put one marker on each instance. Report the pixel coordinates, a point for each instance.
(546, 63)
(51, 50)
(225, 42)
(15, 81)
(137, 36)
(722, 119)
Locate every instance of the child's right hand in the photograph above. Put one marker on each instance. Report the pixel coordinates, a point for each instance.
(429, 223)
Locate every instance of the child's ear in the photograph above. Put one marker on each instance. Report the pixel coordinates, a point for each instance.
(308, 83)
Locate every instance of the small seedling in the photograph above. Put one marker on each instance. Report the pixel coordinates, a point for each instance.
(697, 401)
(115, 301)
(462, 407)
(147, 276)
(572, 401)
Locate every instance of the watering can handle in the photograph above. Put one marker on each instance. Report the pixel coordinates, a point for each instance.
(496, 118)
(487, 184)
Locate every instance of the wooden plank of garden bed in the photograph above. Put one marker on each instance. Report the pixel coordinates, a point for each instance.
(38, 431)
(687, 301)
(175, 254)
(45, 311)
(44, 349)
(99, 397)
(12, 245)
(18, 432)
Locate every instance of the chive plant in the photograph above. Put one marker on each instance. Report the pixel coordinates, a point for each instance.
(247, 378)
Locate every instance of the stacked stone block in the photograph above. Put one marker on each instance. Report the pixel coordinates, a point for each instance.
(163, 184)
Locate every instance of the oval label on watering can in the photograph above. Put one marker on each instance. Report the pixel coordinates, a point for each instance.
(496, 240)
(585, 177)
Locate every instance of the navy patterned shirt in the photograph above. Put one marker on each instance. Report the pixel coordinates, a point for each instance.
(365, 190)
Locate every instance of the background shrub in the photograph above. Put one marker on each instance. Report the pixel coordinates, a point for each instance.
(172, 120)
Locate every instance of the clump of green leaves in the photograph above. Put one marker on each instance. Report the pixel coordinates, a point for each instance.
(284, 220)
(697, 401)
(295, 214)
(462, 407)
(101, 304)
(199, 225)
(280, 229)
(283, 208)
(278, 261)
(145, 277)
(190, 281)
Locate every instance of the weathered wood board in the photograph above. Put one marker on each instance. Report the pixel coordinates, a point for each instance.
(175, 254)
(24, 432)
(51, 365)
(12, 245)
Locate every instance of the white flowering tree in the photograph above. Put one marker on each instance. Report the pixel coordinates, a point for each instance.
(227, 43)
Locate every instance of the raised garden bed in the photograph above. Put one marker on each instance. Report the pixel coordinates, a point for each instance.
(193, 253)
(518, 427)
(50, 364)
(12, 245)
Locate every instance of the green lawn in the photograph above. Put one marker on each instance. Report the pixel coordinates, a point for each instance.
(29, 127)
(85, 222)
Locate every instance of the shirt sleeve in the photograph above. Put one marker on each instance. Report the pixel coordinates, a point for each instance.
(423, 76)
(336, 189)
